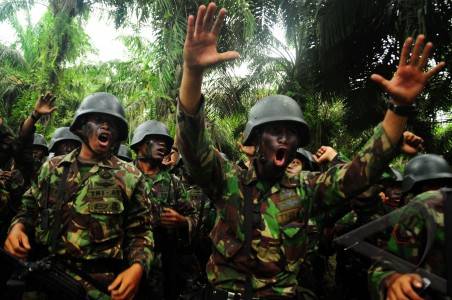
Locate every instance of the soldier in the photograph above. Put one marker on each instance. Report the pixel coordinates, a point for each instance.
(423, 173)
(151, 142)
(40, 153)
(413, 241)
(63, 141)
(124, 153)
(259, 237)
(90, 208)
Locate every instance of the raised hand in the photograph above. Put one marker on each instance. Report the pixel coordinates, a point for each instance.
(410, 79)
(324, 154)
(412, 144)
(45, 105)
(200, 48)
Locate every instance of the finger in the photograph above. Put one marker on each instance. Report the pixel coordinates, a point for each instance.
(417, 49)
(383, 83)
(52, 100)
(52, 110)
(425, 54)
(398, 293)
(405, 50)
(219, 22)
(24, 242)
(114, 285)
(119, 291)
(199, 19)
(190, 27)
(435, 69)
(229, 55)
(412, 294)
(209, 17)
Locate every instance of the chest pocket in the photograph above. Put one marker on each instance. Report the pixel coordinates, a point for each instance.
(292, 226)
(289, 206)
(105, 207)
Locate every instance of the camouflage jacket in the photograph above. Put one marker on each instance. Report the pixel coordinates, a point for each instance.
(281, 211)
(168, 191)
(106, 212)
(408, 241)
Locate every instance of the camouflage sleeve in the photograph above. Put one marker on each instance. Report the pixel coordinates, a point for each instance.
(23, 156)
(28, 210)
(203, 162)
(343, 181)
(139, 240)
(406, 241)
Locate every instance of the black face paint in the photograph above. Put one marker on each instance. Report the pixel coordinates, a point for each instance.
(154, 151)
(276, 148)
(65, 147)
(100, 134)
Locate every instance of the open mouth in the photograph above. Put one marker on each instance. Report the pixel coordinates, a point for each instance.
(104, 139)
(280, 157)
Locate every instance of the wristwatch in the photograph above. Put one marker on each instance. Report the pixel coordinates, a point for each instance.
(402, 110)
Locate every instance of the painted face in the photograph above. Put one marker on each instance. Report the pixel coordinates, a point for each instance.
(279, 142)
(394, 194)
(66, 146)
(295, 167)
(153, 148)
(101, 133)
(39, 153)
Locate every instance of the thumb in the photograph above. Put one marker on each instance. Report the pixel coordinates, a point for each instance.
(115, 284)
(380, 80)
(24, 241)
(417, 281)
(229, 55)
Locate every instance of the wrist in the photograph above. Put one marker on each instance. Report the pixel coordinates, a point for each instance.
(402, 110)
(35, 115)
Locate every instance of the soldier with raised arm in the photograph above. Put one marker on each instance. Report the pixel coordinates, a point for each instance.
(259, 238)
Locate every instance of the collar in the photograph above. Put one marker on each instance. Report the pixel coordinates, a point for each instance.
(250, 176)
(111, 163)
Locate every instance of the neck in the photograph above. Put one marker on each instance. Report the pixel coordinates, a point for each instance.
(267, 172)
(87, 155)
(148, 168)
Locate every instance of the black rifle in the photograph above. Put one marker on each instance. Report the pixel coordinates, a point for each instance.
(44, 275)
(354, 240)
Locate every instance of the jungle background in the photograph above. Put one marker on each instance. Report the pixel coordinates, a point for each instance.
(330, 49)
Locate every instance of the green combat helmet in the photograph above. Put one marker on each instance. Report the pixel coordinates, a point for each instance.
(62, 134)
(309, 164)
(40, 141)
(277, 108)
(148, 128)
(102, 103)
(124, 153)
(425, 167)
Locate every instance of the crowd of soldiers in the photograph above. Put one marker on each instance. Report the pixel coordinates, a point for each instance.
(85, 218)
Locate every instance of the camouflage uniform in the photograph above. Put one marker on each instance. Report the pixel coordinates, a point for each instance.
(175, 263)
(408, 241)
(281, 211)
(105, 215)
(17, 157)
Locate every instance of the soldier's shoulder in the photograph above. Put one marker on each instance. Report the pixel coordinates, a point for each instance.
(431, 198)
(128, 167)
(54, 162)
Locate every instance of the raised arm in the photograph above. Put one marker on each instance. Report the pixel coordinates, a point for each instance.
(407, 83)
(200, 52)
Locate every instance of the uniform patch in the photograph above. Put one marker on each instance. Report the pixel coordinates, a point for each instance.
(106, 207)
(96, 193)
(289, 206)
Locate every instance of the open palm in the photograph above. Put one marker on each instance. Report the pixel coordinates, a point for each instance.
(200, 48)
(410, 79)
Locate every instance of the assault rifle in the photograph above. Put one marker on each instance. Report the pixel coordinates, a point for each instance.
(45, 275)
(355, 240)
